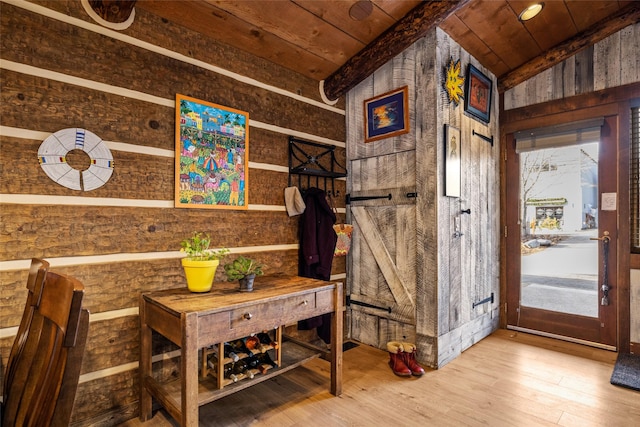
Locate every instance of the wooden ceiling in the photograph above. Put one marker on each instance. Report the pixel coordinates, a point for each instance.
(316, 38)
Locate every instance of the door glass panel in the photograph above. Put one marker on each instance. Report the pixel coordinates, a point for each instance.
(559, 216)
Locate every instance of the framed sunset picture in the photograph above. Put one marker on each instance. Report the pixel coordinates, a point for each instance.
(386, 115)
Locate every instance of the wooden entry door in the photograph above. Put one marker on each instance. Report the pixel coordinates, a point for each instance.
(595, 321)
(382, 285)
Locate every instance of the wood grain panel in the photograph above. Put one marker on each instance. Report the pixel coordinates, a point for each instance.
(204, 18)
(121, 62)
(552, 26)
(303, 29)
(584, 17)
(502, 17)
(105, 394)
(391, 330)
(570, 383)
(135, 176)
(334, 12)
(459, 31)
(52, 231)
(115, 286)
(427, 187)
(47, 106)
(154, 29)
(112, 342)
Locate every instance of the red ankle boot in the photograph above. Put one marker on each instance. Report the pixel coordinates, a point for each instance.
(396, 359)
(409, 358)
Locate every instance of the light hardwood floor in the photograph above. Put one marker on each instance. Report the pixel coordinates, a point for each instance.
(507, 379)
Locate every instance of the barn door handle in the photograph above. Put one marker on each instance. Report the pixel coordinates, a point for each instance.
(605, 239)
(359, 198)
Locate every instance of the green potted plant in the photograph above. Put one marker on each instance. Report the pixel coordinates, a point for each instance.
(201, 263)
(245, 271)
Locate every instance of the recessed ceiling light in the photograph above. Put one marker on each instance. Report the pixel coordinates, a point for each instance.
(530, 12)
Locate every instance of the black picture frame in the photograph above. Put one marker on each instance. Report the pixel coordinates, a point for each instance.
(478, 94)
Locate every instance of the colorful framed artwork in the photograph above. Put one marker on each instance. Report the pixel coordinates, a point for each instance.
(477, 97)
(452, 145)
(212, 155)
(386, 115)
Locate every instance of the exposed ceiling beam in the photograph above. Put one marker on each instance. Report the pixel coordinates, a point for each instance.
(404, 33)
(623, 18)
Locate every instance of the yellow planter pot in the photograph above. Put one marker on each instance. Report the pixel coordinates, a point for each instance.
(200, 274)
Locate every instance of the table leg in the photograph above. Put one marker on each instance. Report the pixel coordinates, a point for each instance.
(336, 343)
(145, 363)
(189, 370)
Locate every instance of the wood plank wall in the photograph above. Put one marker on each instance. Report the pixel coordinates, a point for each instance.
(60, 70)
(450, 273)
(610, 63)
(468, 266)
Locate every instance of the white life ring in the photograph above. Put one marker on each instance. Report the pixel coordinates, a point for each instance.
(52, 157)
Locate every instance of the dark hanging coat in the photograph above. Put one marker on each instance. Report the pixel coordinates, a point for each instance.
(317, 238)
(317, 245)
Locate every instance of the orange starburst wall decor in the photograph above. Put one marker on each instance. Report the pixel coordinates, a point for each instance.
(454, 82)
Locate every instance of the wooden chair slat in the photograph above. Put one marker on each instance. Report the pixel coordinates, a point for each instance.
(46, 365)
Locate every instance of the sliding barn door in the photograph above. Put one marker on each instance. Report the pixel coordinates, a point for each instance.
(383, 268)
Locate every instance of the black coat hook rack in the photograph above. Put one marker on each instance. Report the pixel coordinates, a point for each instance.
(317, 162)
(486, 138)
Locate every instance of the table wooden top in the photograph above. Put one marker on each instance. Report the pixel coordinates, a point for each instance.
(226, 295)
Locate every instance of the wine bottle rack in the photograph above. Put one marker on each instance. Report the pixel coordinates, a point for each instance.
(212, 365)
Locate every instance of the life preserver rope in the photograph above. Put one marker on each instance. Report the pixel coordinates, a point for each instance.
(52, 157)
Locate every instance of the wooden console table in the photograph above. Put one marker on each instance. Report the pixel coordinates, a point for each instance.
(197, 320)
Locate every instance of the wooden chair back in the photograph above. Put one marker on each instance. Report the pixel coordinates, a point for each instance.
(45, 369)
(35, 282)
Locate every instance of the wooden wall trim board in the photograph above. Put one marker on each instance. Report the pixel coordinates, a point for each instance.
(602, 102)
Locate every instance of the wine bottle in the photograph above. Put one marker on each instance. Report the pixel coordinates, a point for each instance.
(228, 372)
(265, 339)
(253, 344)
(242, 367)
(265, 359)
(239, 346)
(230, 353)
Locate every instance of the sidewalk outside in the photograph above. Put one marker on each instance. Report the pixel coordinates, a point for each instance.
(563, 277)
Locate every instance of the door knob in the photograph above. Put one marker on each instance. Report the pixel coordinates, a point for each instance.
(605, 237)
